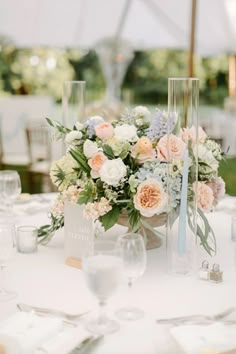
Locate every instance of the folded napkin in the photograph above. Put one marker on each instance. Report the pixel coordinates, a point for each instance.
(216, 338)
(22, 333)
(64, 342)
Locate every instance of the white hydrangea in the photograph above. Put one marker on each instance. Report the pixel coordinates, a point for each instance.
(206, 156)
(67, 165)
(143, 115)
(126, 132)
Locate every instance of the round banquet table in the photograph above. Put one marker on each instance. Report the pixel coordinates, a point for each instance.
(43, 279)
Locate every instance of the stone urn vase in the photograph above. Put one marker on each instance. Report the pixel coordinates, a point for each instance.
(151, 238)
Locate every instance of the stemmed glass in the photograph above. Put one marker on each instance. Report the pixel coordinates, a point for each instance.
(7, 250)
(132, 250)
(10, 188)
(103, 273)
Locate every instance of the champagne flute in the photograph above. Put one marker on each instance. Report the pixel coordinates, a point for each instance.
(11, 188)
(103, 273)
(7, 250)
(132, 250)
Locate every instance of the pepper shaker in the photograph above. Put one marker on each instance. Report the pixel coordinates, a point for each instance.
(216, 275)
(204, 271)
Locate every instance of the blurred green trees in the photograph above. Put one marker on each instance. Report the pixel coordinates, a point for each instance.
(42, 71)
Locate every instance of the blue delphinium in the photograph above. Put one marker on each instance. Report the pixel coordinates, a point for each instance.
(162, 124)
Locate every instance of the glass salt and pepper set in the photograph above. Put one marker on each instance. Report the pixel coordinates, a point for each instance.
(214, 274)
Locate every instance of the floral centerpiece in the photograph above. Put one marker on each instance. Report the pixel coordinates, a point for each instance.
(124, 166)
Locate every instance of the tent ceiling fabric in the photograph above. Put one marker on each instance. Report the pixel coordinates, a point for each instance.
(147, 24)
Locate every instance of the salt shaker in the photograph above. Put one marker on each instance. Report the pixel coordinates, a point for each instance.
(204, 271)
(216, 275)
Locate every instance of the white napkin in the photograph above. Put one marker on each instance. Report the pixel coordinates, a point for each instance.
(22, 333)
(195, 339)
(64, 342)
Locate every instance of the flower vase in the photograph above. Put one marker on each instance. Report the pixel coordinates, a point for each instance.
(73, 102)
(78, 232)
(183, 95)
(148, 229)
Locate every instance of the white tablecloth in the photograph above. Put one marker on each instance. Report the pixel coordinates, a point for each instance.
(43, 279)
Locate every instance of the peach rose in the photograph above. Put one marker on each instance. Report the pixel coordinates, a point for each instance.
(143, 150)
(190, 134)
(150, 198)
(176, 148)
(96, 163)
(205, 196)
(104, 130)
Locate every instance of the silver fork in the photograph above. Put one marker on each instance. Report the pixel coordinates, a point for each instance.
(47, 311)
(197, 318)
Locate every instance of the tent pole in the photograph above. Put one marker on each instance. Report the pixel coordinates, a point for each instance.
(192, 39)
(232, 75)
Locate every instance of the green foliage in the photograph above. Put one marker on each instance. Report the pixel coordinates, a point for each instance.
(81, 160)
(88, 194)
(109, 219)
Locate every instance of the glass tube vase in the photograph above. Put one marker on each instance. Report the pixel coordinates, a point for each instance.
(73, 102)
(182, 140)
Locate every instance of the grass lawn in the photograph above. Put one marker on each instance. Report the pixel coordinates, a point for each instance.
(227, 171)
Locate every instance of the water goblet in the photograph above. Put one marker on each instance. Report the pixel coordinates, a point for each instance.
(103, 272)
(131, 248)
(7, 250)
(10, 189)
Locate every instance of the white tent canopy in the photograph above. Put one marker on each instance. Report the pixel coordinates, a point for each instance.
(145, 23)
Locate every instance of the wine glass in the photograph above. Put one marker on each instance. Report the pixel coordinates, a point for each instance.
(103, 273)
(132, 250)
(11, 188)
(7, 250)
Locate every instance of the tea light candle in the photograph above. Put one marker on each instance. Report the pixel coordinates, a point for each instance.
(27, 239)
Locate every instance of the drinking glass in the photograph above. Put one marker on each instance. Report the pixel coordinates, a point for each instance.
(73, 102)
(7, 250)
(10, 188)
(132, 250)
(103, 272)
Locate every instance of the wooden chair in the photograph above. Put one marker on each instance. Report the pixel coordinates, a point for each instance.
(39, 149)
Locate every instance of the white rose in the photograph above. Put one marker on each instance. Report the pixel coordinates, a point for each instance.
(113, 171)
(126, 132)
(79, 126)
(73, 135)
(90, 148)
(96, 120)
(142, 112)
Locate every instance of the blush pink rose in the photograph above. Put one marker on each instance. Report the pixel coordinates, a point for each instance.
(150, 198)
(190, 134)
(143, 150)
(217, 185)
(104, 130)
(96, 163)
(205, 197)
(176, 148)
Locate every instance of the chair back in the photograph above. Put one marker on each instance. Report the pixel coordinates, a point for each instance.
(38, 138)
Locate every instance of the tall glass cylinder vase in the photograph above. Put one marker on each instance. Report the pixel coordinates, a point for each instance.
(182, 141)
(73, 101)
